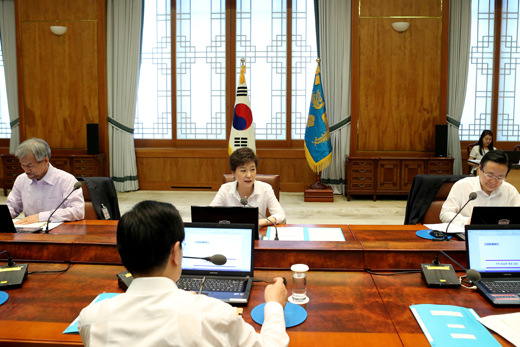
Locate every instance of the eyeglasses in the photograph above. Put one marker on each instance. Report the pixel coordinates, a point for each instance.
(490, 176)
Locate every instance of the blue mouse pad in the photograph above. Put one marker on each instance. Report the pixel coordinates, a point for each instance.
(294, 314)
(3, 297)
(425, 234)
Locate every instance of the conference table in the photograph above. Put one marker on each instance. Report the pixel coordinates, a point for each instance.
(348, 305)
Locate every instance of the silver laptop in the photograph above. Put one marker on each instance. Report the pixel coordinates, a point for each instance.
(230, 282)
(493, 251)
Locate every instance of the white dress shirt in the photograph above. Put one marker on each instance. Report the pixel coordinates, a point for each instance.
(43, 196)
(154, 312)
(263, 197)
(504, 195)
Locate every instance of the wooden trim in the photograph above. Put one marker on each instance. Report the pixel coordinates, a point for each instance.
(173, 39)
(354, 103)
(496, 67)
(385, 154)
(215, 153)
(288, 77)
(231, 75)
(445, 49)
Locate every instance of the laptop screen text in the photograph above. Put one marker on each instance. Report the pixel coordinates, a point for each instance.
(494, 250)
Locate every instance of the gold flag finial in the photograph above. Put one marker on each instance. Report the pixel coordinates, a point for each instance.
(242, 61)
(318, 60)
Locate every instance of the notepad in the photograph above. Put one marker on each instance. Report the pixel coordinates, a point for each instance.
(446, 325)
(305, 234)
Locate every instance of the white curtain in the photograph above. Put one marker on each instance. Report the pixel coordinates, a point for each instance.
(8, 38)
(334, 17)
(124, 25)
(460, 37)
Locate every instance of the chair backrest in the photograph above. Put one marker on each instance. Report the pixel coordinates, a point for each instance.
(273, 180)
(516, 148)
(468, 149)
(90, 213)
(432, 214)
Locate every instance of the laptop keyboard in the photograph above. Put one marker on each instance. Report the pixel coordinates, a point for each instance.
(211, 284)
(502, 286)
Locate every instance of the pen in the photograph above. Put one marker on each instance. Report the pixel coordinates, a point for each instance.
(202, 284)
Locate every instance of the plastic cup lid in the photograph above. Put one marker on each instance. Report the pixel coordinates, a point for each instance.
(299, 268)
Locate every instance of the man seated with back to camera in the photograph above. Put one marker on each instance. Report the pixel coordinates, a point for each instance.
(42, 188)
(154, 312)
(490, 186)
(243, 164)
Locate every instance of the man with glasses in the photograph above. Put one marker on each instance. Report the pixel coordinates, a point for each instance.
(490, 186)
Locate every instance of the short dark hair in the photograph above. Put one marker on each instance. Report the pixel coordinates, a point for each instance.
(146, 235)
(497, 156)
(242, 156)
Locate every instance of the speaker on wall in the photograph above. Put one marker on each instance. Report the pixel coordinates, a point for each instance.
(441, 140)
(92, 138)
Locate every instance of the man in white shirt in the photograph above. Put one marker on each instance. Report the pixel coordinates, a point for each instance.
(490, 186)
(154, 312)
(42, 187)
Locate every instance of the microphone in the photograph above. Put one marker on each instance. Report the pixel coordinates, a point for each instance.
(243, 201)
(472, 196)
(77, 185)
(217, 259)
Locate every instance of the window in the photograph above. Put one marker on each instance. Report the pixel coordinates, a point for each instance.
(5, 128)
(486, 108)
(203, 47)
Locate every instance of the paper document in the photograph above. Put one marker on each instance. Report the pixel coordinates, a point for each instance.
(507, 325)
(306, 234)
(446, 325)
(36, 225)
(454, 228)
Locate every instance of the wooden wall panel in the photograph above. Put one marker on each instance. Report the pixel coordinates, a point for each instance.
(162, 169)
(61, 82)
(52, 10)
(400, 77)
(386, 8)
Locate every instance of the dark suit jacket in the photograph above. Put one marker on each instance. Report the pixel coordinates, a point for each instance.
(423, 191)
(103, 191)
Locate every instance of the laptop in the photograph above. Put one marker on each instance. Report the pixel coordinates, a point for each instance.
(493, 251)
(230, 282)
(492, 215)
(9, 227)
(489, 215)
(226, 215)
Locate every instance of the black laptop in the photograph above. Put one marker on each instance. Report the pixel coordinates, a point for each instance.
(7, 225)
(490, 215)
(493, 251)
(226, 215)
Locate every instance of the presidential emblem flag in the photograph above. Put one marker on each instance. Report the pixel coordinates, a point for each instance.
(242, 130)
(318, 146)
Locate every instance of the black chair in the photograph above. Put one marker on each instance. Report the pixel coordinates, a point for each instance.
(97, 191)
(427, 194)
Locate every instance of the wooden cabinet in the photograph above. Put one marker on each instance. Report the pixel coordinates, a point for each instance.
(389, 175)
(77, 165)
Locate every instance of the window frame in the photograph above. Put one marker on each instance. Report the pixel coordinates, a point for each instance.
(231, 81)
(505, 145)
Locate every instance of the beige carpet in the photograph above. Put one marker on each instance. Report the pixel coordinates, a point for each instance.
(360, 210)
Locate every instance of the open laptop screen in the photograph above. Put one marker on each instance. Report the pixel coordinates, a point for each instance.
(234, 241)
(493, 249)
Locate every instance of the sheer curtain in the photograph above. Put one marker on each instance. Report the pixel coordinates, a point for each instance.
(333, 35)
(8, 34)
(124, 23)
(460, 37)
